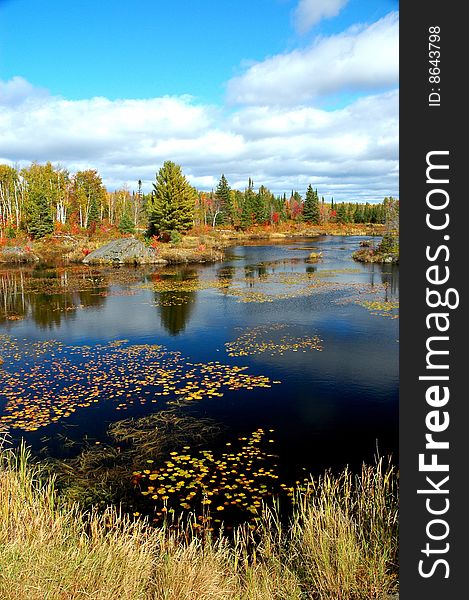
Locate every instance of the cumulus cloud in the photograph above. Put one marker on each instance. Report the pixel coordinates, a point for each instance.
(363, 58)
(310, 12)
(349, 153)
(17, 90)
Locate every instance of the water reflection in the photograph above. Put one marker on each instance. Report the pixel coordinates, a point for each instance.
(176, 305)
(330, 406)
(48, 295)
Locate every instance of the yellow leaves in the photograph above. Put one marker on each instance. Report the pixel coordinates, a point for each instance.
(68, 378)
(385, 308)
(232, 480)
(266, 339)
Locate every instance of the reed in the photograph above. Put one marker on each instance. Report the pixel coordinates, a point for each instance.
(340, 544)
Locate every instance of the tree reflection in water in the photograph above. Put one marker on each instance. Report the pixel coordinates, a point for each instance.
(176, 304)
(48, 295)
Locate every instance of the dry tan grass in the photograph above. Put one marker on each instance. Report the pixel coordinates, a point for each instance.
(340, 545)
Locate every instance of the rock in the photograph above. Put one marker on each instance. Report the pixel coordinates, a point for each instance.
(17, 254)
(314, 257)
(124, 251)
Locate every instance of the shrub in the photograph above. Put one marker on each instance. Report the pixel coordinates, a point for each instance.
(175, 237)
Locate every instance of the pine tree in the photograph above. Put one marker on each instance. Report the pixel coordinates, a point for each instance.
(311, 212)
(93, 213)
(341, 213)
(247, 208)
(41, 222)
(126, 224)
(359, 215)
(172, 205)
(261, 205)
(224, 201)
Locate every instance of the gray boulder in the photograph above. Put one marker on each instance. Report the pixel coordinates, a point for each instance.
(125, 251)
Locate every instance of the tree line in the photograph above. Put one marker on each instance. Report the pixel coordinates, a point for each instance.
(43, 198)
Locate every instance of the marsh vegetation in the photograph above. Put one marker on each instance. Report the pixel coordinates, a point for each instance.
(204, 426)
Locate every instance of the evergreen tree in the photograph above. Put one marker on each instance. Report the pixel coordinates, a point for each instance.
(126, 224)
(247, 208)
(93, 213)
(367, 213)
(172, 205)
(359, 215)
(390, 241)
(261, 205)
(311, 212)
(341, 213)
(223, 196)
(41, 222)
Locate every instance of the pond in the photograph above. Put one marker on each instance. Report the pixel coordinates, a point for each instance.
(263, 340)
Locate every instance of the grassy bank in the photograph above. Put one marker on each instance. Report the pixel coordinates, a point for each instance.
(197, 246)
(341, 544)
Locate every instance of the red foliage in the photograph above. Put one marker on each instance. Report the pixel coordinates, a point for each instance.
(86, 251)
(276, 218)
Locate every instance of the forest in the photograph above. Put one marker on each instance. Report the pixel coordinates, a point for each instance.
(40, 199)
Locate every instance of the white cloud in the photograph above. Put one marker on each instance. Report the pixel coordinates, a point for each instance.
(310, 12)
(363, 58)
(349, 153)
(16, 90)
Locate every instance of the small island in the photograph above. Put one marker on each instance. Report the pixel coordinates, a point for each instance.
(387, 251)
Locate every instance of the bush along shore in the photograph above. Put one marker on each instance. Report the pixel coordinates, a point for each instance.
(339, 544)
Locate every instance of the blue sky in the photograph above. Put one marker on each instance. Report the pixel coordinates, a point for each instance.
(228, 71)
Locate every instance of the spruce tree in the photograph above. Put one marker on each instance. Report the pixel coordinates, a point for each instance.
(341, 213)
(93, 212)
(247, 208)
(224, 200)
(359, 215)
(126, 224)
(261, 205)
(172, 204)
(41, 222)
(311, 212)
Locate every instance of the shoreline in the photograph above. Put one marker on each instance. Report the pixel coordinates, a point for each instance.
(205, 246)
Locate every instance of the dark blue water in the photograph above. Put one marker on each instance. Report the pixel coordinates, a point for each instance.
(333, 407)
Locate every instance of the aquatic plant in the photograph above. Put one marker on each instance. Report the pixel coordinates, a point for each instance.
(229, 485)
(261, 339)
(68, 378)
(341, 543)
